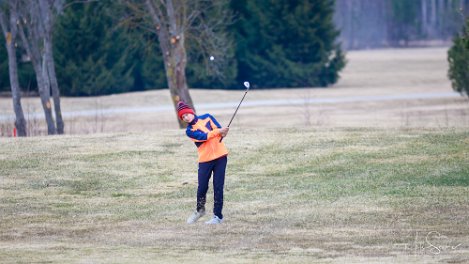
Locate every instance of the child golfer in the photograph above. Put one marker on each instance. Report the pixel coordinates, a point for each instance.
(206, 133)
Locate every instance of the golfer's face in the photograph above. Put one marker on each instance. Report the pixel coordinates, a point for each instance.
(187, 118)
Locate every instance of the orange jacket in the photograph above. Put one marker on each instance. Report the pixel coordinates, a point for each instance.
(204, 130)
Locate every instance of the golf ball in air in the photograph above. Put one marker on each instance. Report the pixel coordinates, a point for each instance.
(212, 58)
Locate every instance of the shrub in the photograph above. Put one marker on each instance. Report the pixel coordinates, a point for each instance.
(458, 58)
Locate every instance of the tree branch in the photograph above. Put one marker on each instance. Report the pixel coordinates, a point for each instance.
(162, 29)
(171, 18)
(78, 2)
(153, 12)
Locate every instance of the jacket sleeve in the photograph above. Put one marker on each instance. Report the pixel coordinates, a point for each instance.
(214, 121)
(200, 136)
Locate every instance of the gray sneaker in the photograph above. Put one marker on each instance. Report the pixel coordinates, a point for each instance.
(195, 216)
(214, 221)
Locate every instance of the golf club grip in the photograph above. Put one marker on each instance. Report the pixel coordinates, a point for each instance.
(221, 139)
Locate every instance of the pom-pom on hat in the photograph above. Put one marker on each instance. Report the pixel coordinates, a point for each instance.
(184, 108)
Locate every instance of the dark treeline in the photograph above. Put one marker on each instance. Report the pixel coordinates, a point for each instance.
(274, 43)
(398, 23)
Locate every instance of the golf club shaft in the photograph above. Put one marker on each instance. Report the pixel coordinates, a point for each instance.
(236, 111)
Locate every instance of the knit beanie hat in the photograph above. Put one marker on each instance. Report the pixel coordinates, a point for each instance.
(183, 108)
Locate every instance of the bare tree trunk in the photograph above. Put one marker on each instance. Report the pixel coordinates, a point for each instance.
(46, 14)
(423, 8)
(171, 38)
(343, 17)
(354, 22)
(10, 36)
(55, 89)
(32, 41)
(44, 92)
(433, 18)
(176, 64)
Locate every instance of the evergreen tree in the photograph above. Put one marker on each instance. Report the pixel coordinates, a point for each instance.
(95, 56)
(458, 58)
(287, 43)
(26, 75)
(149, 73)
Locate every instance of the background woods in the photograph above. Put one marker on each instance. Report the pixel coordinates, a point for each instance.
(94, 48)
(95, 54)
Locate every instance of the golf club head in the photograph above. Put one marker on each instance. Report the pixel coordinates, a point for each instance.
(247, 85)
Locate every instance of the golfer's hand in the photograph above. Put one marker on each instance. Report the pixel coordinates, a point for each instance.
(224, 131)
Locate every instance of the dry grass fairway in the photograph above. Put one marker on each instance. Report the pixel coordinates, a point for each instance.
(292, 196)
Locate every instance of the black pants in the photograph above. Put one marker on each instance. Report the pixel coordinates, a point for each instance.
(218, 168)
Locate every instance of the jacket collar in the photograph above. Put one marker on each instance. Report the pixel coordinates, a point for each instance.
(194, 120)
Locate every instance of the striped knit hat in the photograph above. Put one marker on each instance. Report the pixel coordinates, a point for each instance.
(183, 108)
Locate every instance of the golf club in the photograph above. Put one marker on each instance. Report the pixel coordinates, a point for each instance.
(247, 85)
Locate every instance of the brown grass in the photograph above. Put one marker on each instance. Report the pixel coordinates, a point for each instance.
(292, 196)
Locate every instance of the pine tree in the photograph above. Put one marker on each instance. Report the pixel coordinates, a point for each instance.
(25, 71)
(287, 43)
(458, 58)
(95, 56)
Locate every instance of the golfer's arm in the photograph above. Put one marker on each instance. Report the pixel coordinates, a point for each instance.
(200, 136)
(214, 121)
